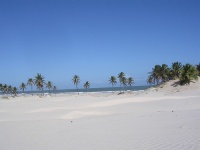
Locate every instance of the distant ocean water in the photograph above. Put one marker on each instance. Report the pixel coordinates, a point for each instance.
(105, 89)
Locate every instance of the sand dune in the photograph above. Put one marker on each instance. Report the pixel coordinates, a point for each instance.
(160, 118)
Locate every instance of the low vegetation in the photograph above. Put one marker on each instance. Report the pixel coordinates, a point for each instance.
(162, 73)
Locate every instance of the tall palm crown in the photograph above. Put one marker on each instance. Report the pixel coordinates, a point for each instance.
(76, 81)
(39, 81)
(130, 81)
(198, 69)
(188, 74)
(120, 76)
(49, 85)
(30, 83)
(164, 73)
(176, 70)
(113, 80)
(23, 86)
(86, 85)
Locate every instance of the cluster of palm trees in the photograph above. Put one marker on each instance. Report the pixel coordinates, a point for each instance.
(185, 73)
(38, 81)
(123, 80)
(76, 81)
(5, 89)
(159, 74)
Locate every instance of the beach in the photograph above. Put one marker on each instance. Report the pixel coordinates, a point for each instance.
(165, 117)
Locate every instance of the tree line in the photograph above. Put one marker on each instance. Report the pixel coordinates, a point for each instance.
(159, 74)
(184, 73)
(112, 80)
(38, 81)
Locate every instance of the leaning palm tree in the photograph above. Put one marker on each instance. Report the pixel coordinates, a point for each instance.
(86, 85)
(15, 91)
(23, 87)
(113, 80)
(188, 74)
(54, 89)
(150, 80)
(39, 82)
(10, 90)
(31, 83)
(198, 69)
(130, 81)
(49, 86)
(176, 70)
(76, 81)
(120, 76)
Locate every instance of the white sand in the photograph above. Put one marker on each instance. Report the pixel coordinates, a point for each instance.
(166, 118)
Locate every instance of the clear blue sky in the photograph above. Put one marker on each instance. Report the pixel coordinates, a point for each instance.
(95, 38)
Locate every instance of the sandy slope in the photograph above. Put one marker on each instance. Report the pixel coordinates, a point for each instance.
(157, 119)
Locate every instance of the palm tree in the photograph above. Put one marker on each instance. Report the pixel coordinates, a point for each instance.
(198, 69)
(15, 91)
(39, 82)
(120, 76)
(164, 73)
(54, 89)
(31, 83)
(176, 70)
(87, 85)
(155, 74)
(130, 81)
(5, 88)
(76, 81)
(124, 82)
(49, 86)
(23, 87)
(113, 80)
(188, 74)
(150, 80)
(10, 90)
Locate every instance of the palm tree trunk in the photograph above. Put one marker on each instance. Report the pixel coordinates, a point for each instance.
(32, 90)
(77, 89)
